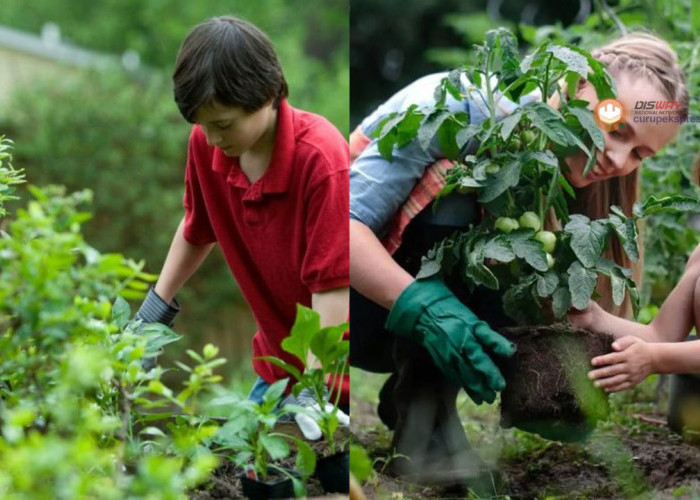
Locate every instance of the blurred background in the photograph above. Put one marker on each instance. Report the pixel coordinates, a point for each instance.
(85, 93)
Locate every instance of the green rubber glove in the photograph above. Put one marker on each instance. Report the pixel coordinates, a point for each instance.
(459, 343)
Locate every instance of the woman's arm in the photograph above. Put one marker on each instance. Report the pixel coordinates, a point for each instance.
(182, 261)
(373, 272)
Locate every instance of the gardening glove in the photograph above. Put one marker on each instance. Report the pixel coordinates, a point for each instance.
(308, 423)
(155, 310)
(459, 343)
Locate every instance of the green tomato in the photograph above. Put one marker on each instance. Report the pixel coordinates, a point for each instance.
(528, 137)
(506, 224)
(531, 220)
(515, 144)
(550, 261)
(492, 169)
(548, 240)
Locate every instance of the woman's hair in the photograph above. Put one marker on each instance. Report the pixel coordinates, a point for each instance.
(641, 55)
(230, 61)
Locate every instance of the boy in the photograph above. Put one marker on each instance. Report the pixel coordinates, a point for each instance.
(268, 183)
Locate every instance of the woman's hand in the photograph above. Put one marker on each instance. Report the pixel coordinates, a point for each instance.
(632, 362)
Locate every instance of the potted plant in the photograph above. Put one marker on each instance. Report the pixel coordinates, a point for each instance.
(250, 433)
(515, 172)
(306, 341)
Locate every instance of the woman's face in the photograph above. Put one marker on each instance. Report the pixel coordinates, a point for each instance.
(627, 147)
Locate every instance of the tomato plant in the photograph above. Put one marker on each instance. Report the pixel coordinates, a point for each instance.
(519, 187)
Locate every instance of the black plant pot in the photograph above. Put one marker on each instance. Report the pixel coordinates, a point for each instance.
(334, 472)
(274, 487)
(684, 403)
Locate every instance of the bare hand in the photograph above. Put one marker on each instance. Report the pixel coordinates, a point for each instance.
(583, 320)
(626, 367)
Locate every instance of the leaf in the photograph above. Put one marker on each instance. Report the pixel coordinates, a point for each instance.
(495, 185)
(447, 138)
(561, 300)
(306, 458)
(429, 128)
(582, 282)
(551, 122)
(587, 238)
(428, 268)
(121, 313)
(275, 391)
(306, 324)
(275, 446)
(288, 367)
(509, 123)
(547, 284)
(475, 269)
(585, 118)
(668, 204)
(360, 463)
(528, 249)
(499, 249)
(617, 282)
(326, 343)
(574, 61)
(626, 231)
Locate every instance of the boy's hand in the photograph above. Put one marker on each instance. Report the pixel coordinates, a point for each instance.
(155, 310)
(632, 362)
(308, 422)
(459, 343)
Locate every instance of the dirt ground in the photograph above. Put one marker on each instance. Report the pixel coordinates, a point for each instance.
(640, 459)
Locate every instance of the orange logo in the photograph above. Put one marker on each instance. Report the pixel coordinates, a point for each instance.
(610, 114)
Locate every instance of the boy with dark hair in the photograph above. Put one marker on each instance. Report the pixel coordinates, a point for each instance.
(268, 183)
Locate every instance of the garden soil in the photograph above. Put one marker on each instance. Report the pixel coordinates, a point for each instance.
(619, 462)
(547, 390)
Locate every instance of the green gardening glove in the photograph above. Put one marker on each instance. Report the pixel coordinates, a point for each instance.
(459, 343)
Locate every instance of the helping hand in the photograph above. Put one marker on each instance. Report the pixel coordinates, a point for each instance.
(629, 365)
(308, 422)
(459, 343)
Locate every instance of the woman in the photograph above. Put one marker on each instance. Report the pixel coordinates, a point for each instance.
(437, 338)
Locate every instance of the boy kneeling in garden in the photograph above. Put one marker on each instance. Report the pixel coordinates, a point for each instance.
(269, 184)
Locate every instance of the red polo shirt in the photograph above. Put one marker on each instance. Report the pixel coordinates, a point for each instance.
(285, 236)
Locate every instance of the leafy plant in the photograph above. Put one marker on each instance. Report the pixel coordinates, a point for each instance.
(250, 433)
(325, 344)
(72, 388)
(516, 172)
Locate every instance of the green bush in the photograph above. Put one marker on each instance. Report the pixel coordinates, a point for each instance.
(74, 398)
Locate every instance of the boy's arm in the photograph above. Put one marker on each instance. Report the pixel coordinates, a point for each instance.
(331, 305)
(673, 322)
(635, 359)
(597, 319)
(182, 261)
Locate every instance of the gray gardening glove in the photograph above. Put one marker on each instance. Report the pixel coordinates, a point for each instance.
(155, 310)
(308, 424)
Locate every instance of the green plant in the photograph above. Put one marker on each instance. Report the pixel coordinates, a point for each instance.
(249, 432)
(526, 182)
(72, 388)
(331, 353)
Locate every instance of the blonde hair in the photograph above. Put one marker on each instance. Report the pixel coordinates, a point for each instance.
(646, 56)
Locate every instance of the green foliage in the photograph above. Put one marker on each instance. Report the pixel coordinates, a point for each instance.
(73, 394)
(525, 182)
(313, 346)
(9, 177)
(249, 433)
